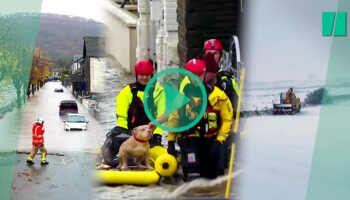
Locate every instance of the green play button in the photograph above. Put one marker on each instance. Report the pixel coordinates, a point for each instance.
(174, 99)
(190, 103)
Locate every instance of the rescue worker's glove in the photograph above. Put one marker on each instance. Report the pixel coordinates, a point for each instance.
(171, 148)
(156, 140)
(216, 149)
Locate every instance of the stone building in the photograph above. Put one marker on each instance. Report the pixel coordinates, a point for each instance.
(173, 31)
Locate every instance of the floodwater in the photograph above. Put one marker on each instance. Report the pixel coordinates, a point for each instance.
(45, 104)
(70, 154)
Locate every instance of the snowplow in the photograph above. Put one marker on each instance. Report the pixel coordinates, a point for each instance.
(289, 104)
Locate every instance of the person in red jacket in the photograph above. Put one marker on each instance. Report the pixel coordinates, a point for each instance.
(38, 142)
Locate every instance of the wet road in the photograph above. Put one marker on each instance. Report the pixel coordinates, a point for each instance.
(69, 173)
(45, 104)
(66, 177)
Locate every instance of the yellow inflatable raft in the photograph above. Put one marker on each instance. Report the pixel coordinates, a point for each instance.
(164, 165)
(132, 177)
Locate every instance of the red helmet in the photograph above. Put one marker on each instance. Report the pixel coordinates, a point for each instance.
(195, 66)
(213, 44)
(212, 65)
(144, 67)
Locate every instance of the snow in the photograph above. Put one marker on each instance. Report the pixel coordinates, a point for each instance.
(277, 154)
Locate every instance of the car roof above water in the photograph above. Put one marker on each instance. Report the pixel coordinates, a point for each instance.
(78, 114)
(68, 101)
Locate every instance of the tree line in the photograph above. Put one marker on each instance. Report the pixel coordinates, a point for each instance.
(41, 69)
(20, 62)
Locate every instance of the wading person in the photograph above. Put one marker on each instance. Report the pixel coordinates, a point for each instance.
(38, 142)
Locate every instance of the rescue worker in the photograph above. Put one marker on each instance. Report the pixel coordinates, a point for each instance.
(227, 83)
(202, 144)
(130, 111)
(225, 79)
(38, 142)
(196, 67)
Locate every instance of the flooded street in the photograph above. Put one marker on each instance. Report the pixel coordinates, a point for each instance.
(45, 103)
(70, 153)
(66, 177)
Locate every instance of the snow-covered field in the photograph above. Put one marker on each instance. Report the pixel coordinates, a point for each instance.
(277, 151)
(259, 96)
(276, 155)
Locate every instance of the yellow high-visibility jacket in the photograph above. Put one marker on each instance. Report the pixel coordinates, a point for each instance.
(183, 83)
(220, 102)
(124, 98)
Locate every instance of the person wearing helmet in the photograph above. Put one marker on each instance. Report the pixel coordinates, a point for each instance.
(38, 142)
(130, 111)
(214, 47)
(225, 79)
(201, 145)
(188, 87)
(129, 102)
(195, 66)
(220, 101)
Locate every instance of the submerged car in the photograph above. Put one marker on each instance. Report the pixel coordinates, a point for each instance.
(58, 90)
(68, 106)
(75, 122)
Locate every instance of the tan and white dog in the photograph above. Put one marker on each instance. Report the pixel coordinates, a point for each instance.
(137, 146)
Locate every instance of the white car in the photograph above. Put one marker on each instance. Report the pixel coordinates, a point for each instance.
(75, 122)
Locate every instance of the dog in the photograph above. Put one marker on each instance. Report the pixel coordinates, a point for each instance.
(107, 154)
(137, 146)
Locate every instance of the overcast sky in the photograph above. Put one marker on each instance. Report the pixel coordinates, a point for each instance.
(284, 40)
(83, 8)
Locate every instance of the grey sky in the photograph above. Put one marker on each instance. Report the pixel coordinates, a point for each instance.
(90, 9)
(284, 39)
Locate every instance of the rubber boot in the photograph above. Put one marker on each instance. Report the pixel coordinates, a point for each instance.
(30, 161)
(43, 160)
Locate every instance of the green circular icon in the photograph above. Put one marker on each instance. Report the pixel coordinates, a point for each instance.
(174, 100)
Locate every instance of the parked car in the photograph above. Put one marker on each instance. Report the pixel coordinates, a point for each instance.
(75, 122)
(58, 90)
(68, 106)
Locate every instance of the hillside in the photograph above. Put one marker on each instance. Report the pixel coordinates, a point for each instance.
(61, 36)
